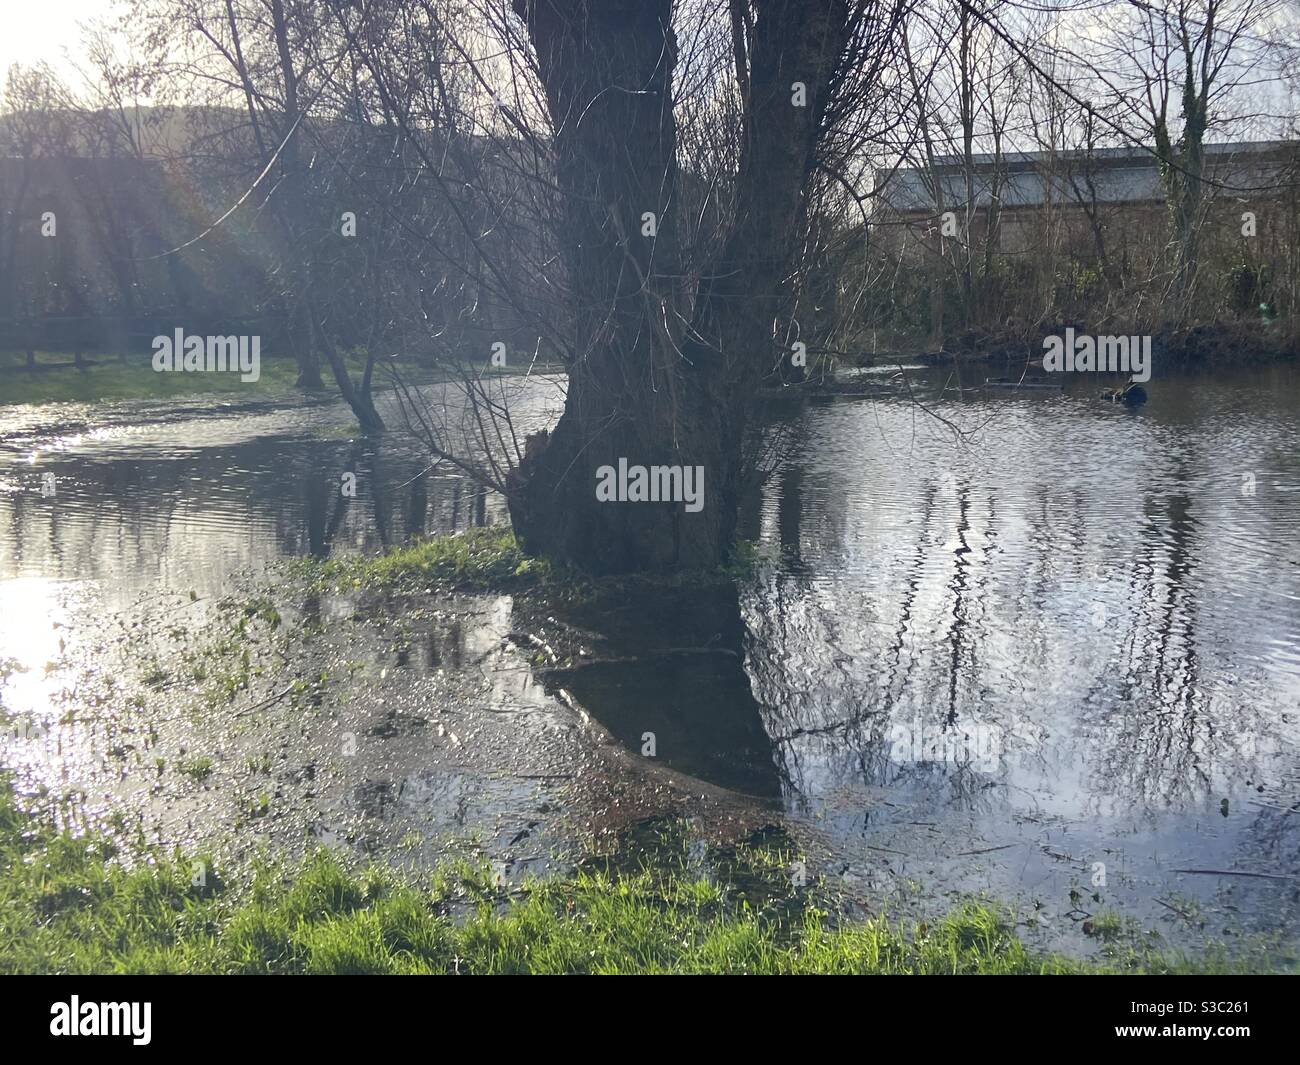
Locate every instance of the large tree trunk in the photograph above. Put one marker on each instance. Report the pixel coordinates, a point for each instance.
(645, 386)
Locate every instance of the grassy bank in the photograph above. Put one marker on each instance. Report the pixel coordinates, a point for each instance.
(68, 905)
(1219, 346)
(57, 381)
(106, 377)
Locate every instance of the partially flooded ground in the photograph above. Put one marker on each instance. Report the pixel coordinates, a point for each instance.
(1057, 664)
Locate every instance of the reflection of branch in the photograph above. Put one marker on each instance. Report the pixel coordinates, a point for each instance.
(957, 431)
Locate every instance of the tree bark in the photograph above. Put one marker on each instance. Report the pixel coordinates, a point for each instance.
(662, 376)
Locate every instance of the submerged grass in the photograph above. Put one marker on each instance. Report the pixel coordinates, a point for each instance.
(68, 905)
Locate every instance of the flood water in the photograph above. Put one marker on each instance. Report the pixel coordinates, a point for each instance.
(1059, 650)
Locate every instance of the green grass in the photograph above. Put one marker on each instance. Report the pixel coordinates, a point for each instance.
(198, 769)
(69, 905)
(109, 378)
(491, 559)
(476, 558)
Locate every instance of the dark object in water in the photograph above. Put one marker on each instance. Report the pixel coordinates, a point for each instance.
(1131, 395)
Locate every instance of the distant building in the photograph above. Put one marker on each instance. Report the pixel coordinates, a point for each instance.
(1110, 189)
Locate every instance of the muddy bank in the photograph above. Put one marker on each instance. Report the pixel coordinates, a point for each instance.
(380, 724)
(1211, 346)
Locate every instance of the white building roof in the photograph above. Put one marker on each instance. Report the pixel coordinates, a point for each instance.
(1117, 175)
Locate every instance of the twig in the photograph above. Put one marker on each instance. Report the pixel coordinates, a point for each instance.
(986, 850)
(1239, 872)
(1273, 806)
(265, 702)
(1170, 906)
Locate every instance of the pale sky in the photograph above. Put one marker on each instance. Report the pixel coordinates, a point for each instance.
(32, 31)
(36, 30)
